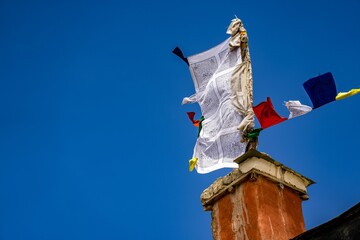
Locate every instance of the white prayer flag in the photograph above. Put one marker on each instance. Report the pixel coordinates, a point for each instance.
(297, 109)
(219, 141)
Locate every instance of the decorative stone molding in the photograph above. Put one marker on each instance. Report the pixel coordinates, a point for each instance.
(220, 187)
(252, 164)
(262, 162)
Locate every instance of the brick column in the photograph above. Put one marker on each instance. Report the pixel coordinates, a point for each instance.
(261, 200)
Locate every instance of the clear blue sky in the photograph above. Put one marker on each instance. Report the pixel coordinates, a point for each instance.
(94, 143)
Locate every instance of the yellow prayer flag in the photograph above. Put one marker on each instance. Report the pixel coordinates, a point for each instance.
(342, 95)
(192, 163)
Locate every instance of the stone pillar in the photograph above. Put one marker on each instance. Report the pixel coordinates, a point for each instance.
(261, 200)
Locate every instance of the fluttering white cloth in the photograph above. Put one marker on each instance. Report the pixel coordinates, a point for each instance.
(297, 109)
(219, 141)
(222, 77)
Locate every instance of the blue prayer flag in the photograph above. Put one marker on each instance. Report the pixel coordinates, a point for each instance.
(321, 89)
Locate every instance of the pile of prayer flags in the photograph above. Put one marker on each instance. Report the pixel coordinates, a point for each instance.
(222, 79)
(321, 90)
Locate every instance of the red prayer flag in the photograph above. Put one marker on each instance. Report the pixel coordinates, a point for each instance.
(191, 116)
(267, 115)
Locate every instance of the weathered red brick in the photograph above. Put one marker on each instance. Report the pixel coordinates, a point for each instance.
(258, 210)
